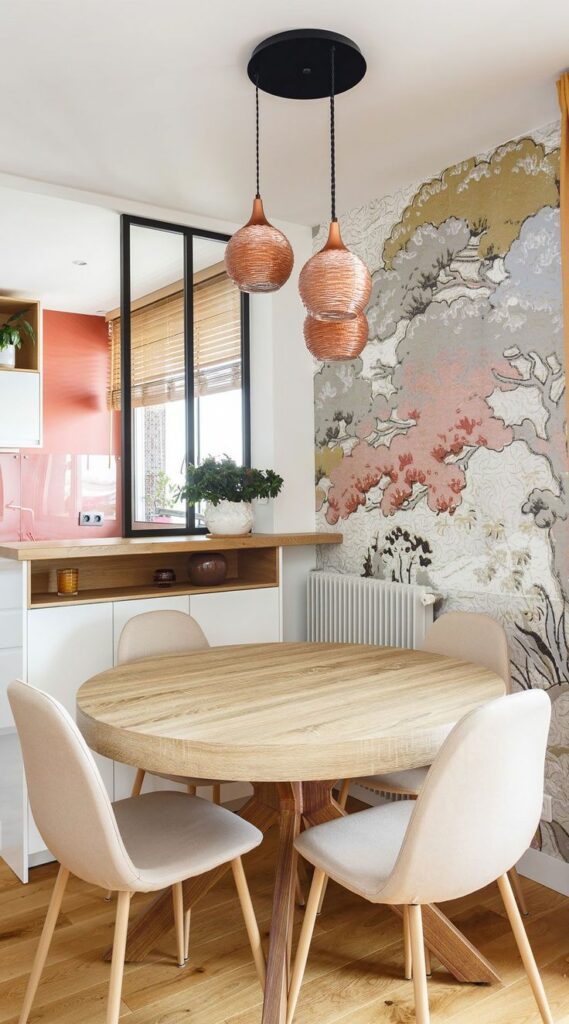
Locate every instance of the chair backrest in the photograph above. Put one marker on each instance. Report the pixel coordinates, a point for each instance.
(69, 802)
(480, 805)
(162, 632)
(471, 636)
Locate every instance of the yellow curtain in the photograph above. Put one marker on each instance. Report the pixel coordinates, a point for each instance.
(563, 93)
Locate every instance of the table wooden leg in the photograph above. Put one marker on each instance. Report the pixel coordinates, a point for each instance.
(451, 948)
(158, 918)
(275, 1000)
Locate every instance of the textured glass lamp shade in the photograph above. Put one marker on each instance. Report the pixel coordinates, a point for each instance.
(258, 257)
(335, 284)
(334, 341)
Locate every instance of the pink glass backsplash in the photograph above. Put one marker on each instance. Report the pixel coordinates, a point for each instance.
(43, 492)
(41, 495)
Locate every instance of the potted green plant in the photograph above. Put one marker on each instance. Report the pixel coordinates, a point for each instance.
(11, 337)
(228, 490)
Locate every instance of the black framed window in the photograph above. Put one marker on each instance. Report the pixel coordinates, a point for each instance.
(179, 368)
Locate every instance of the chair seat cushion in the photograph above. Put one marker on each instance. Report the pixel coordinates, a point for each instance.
(360, 850)
(408, 782)
(170, 836)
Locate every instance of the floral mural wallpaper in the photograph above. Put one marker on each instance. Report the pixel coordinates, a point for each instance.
(440, 452)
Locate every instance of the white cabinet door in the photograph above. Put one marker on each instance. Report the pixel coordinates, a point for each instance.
(11, 625)
(122, 612)
(20, 409)
(65, 647)
(239, 616)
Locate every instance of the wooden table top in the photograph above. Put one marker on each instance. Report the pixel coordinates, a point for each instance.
(281, 712)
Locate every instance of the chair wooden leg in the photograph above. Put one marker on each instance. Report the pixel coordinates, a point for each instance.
(407, 945)
(217, 794)
(178, 903)
(428, 968)
(191, 789)
(304, 941)
(117, 963)
(524, 948)
(138, 780)
(344, 793)
(322, 895)
(187, 922)
(44, 943)
(300, 900)
(419, 973)
(518, 890)
(249, 918)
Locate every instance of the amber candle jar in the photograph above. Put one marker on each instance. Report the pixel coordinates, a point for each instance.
(67, 582)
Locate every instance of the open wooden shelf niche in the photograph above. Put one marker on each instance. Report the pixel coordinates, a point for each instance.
(126, 577)
(28, 356)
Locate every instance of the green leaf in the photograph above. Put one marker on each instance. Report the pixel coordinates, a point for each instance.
(29, 329)
(222, 479)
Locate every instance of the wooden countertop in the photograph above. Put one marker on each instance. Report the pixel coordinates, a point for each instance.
(46, 550)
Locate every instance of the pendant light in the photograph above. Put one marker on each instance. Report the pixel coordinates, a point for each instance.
(333, 341)
(335, 284)
(258, 257)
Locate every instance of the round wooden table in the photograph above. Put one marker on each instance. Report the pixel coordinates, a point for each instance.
(291, 719)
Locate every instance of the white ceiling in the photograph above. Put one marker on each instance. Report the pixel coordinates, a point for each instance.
(41, 236)
(150, 101)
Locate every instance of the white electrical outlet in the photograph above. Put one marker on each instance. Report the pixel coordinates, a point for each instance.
(547, 808)
(92, 518)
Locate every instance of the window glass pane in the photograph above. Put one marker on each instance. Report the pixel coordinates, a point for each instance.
(157, 377)
(218, 413)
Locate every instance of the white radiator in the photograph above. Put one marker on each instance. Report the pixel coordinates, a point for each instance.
(359, 610)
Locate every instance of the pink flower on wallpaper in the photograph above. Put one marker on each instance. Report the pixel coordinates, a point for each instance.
(416, 458)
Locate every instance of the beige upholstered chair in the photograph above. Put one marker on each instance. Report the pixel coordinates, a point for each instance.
(468, 636)
(141, 844)
(151, 635)
(476, 814)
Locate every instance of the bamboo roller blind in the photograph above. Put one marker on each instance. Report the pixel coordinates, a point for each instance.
(157, 345)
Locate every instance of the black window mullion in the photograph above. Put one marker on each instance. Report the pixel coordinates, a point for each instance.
(126, 405)
(245, 379)
(189, 363)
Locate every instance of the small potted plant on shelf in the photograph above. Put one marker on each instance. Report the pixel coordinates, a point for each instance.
(228, 490)
(11, 337)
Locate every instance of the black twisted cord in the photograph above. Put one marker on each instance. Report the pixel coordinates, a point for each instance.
(332, 135)
(258, 194)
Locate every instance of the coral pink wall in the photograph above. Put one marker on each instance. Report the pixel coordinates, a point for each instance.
(76, 367)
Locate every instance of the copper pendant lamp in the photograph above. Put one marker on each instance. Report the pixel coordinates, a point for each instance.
(335, 284)
(258, 257)
(334, 341)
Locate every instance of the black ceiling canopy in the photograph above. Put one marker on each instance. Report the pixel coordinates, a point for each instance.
(296, 64)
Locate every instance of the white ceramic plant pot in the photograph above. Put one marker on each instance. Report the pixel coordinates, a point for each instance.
(8, 356)
(233, 518)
